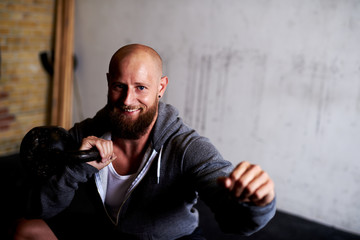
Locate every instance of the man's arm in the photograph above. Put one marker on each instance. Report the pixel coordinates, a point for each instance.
(242, 198)
(48, 198)
(253, 189)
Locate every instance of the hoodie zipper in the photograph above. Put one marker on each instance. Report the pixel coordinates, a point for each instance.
(136, 182)
(133, 185)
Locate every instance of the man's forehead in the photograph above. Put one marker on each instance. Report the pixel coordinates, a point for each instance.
(137, 54)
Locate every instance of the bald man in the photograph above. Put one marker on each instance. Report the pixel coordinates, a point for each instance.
(152, 171)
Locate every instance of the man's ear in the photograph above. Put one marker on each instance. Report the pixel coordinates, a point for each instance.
(162, 86)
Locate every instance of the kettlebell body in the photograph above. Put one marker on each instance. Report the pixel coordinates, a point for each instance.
(47, 150)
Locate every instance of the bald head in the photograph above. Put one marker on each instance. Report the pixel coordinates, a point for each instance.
(135, 84)
(135, 51)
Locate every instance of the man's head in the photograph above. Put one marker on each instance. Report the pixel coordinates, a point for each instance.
(135, 84)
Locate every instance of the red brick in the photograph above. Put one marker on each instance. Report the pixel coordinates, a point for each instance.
(3, 95)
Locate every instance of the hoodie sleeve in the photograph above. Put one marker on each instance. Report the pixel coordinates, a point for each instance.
(205, 164)
(59, 191)
(50, 197)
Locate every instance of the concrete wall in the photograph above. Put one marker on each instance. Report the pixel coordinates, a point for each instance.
(273, 82)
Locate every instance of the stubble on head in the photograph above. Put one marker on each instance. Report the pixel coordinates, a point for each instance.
(130, 49)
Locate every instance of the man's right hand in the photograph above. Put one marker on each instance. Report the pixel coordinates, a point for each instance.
(105, 148)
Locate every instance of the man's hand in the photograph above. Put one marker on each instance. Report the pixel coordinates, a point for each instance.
(105, 148)
(249, 183)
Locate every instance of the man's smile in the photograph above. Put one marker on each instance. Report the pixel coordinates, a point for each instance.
(131, 110)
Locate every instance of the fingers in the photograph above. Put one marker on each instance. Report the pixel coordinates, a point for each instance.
(241, 177)
(246, 182)
(107, 161)
(265, 194)
(105, 147)
(224, 181)
(103, 163)
(249, 182)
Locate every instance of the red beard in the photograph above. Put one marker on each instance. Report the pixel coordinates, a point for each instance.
(126, 128)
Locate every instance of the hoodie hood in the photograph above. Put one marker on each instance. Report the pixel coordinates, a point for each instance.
(167, 124)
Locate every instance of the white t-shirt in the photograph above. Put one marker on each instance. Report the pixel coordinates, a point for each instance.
(118, 185)
(116, 190)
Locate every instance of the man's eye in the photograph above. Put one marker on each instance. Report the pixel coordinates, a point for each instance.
(119, 86)
(141, 87)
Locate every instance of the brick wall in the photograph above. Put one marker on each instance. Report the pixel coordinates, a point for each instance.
(26, 29)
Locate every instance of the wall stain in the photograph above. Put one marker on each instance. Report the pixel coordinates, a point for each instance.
(190, 83)
(260, 62)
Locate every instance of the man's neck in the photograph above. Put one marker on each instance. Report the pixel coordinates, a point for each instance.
(130, 147)
(130, 153)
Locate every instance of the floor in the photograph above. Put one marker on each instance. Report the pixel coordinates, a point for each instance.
(282, 227)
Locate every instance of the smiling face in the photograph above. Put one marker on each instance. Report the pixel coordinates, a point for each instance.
(134, 84)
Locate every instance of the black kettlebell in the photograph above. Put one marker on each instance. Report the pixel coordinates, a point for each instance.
(45, 151)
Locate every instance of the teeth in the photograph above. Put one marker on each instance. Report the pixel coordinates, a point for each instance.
(130, 110)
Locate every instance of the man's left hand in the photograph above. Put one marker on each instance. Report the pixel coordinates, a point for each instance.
(249, 183)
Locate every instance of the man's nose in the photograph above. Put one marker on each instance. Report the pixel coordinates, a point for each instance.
(129, 97)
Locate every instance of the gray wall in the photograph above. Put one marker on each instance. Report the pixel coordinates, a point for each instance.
(273, 82)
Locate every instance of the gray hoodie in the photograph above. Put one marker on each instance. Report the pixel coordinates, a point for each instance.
(181, 167)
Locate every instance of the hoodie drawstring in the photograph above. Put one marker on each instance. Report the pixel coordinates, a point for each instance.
(158, 165)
